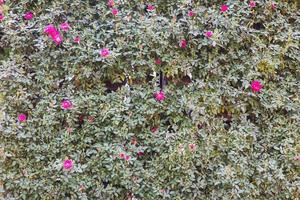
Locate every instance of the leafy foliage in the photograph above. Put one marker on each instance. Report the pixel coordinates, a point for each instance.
(245, 142)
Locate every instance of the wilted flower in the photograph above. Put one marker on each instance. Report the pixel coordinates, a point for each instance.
(65, 26)
(22, 117)
(28, 15)
(192, 147)
(224, 8)
(104, 52)
(160, 96)
(68, 164)
(66, 104)
(140, 153)
(256, 86)
(183, 43)
(154, 129)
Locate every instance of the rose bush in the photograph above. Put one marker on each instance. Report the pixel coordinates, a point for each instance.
(149, 99)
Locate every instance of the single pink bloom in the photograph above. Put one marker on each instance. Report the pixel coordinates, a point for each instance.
(110, 3)
(192, 147)
(1, 17)
(77, 39)
(104, 52)
(28, 15)
(154, 129)
(160, 96)
(68, 164)
(57, 39)
(127, 157)
(22, 117)
(256, 86)
(140, 153)
(298, 157)
(150, 7)
(2, 2)
(252, 4)
(183, 43)
(209, 34)
(91, 119)
(122, 155)
(158, 61)
(224, 8)
(66, 104)
(65, 26)
(114, 11)
(191, 13)
(50, 30)
(273, 5)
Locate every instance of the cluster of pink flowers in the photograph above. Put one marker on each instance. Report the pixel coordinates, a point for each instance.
(51, 31)
(124, 156)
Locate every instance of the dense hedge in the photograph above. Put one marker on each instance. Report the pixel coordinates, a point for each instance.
(78, 115)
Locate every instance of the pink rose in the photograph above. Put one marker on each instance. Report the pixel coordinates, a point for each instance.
(273, 5)
(183, 43)
(122, 155)
(1, 17)
(256, 86)
(140, 153)
(77, 39)
(110, 3)
(192, 147)
(154, 129)
(224, 8)
(252, 4)
(104, 52)
(150, 7)
(68, 164)
(66, 104)
(209, 34)
(22, 117)
(159, 96)
(28, 15)
(191, 13)
(65, 26)
(127, 157)
(157, 61)
(114, 11)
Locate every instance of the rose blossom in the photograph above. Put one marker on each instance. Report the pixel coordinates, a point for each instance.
(224, 8)
(77, 39)
(65, 26)
(68, 164)
(150, 7)
(28, 15)
(183, 43)
(158, 61)
(209, 34)
(191, 13)
(256, 86)
(160, 96)
(104, 52)
(252, 4)
(66, 104)
(22, 117)
(114, 11)
(110, 3)
(192, 147)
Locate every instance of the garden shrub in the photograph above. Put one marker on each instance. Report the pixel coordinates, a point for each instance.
(150, 99)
